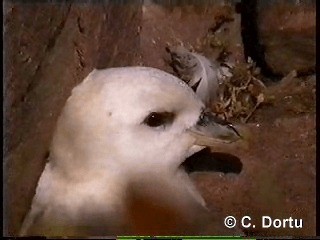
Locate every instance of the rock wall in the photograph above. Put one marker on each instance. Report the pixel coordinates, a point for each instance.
(287, 31)
(49, 48)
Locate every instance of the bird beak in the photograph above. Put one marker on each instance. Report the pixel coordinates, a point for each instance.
(210, 131)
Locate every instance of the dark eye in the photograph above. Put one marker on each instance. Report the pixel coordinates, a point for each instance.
(156, 119)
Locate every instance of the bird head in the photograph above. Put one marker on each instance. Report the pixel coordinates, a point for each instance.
(135, 120)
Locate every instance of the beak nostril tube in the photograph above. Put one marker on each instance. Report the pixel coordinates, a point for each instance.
(211, 130)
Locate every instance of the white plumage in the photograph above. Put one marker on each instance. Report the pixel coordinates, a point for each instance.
(121, 127)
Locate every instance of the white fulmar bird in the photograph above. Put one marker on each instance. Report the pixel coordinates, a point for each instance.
(121, 129)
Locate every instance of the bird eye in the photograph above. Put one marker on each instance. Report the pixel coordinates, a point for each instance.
(156, 119)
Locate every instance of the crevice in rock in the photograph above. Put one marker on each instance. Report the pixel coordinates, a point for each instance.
(58, 30)
(250, 38)
(207, 161)
(50, 45)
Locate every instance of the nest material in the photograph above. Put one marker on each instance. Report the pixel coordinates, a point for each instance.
(240, 93)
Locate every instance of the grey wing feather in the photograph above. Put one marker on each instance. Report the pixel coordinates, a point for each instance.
(199, 72)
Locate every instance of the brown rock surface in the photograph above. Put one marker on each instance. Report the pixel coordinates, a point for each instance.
(288, 33)
(49, 48)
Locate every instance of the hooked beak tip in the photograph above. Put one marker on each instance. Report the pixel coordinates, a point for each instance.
(210, 131)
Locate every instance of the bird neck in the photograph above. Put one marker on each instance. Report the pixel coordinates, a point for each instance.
(81, 188)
